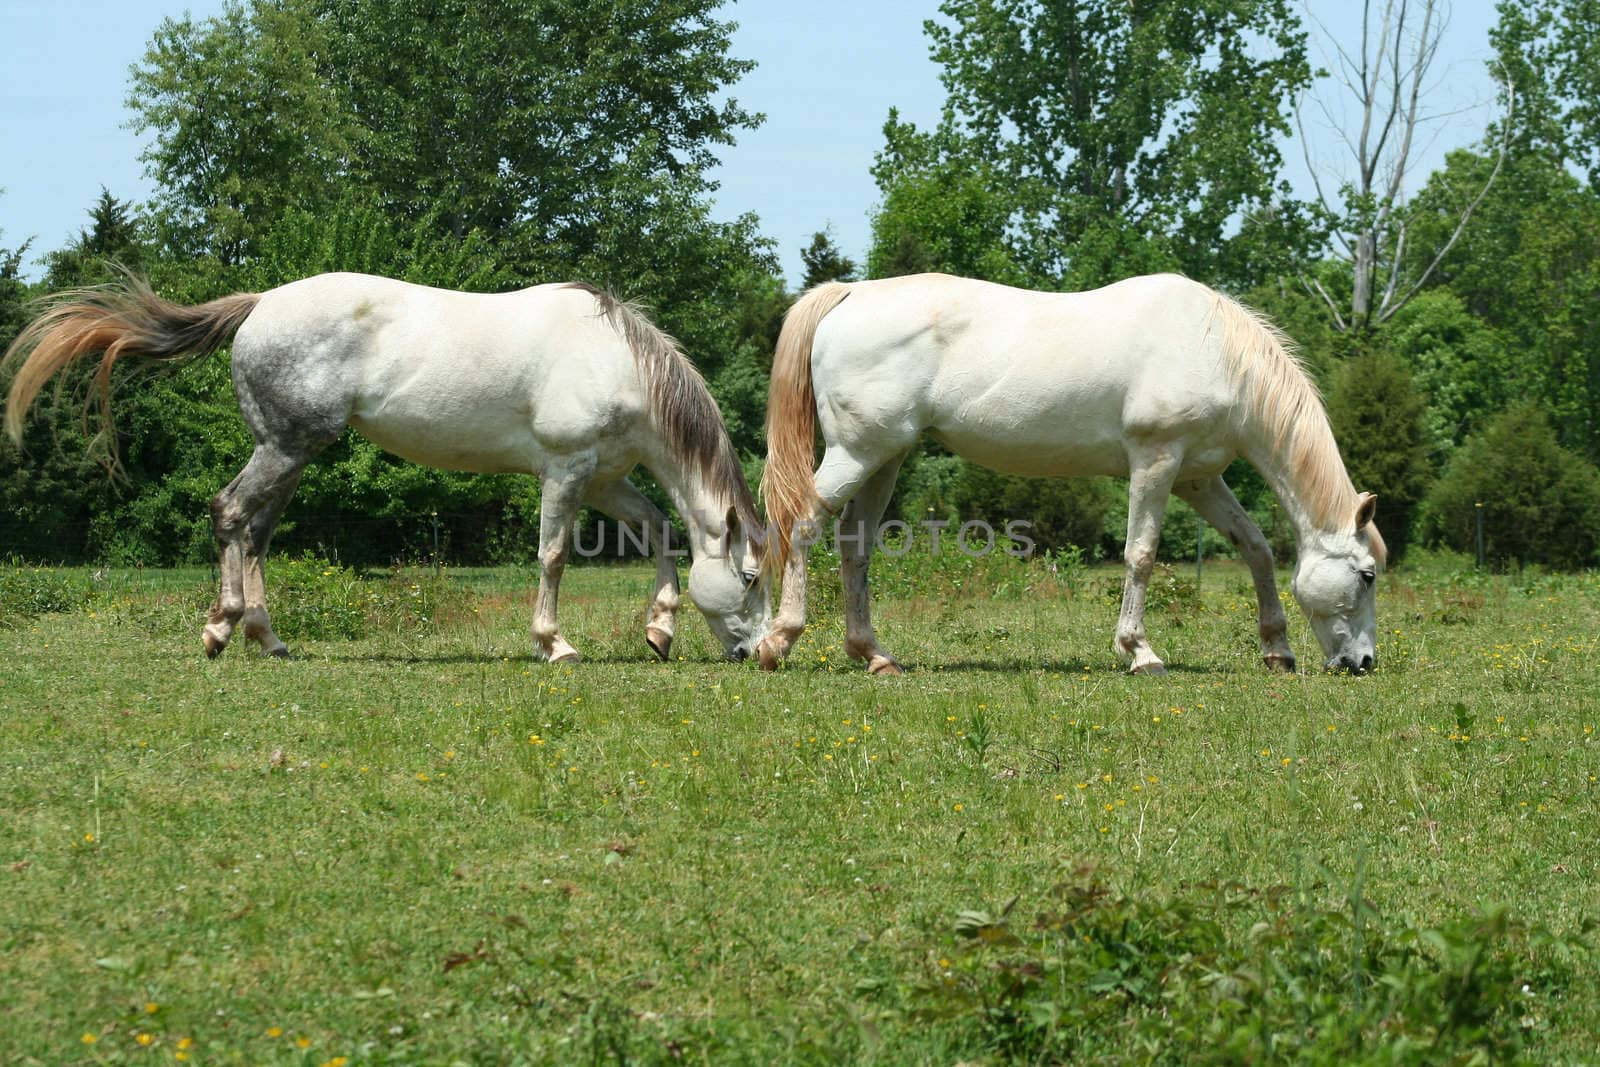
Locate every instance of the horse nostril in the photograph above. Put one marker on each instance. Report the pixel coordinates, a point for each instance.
(741, 654)
(1366, 663)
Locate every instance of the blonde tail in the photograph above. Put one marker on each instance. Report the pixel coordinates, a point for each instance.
(120, 319)
(788, 485)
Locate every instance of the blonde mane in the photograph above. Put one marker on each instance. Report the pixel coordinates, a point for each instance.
(681, 406)
(1281, 399)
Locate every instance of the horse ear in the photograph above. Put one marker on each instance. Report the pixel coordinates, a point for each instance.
(1366, 510)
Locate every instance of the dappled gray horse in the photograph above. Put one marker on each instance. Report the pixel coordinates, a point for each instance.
(562, 381)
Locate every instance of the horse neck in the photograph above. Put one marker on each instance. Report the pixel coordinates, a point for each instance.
(698, 503)
(1318, 498)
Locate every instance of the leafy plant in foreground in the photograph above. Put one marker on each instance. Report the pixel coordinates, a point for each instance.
(1099, 974)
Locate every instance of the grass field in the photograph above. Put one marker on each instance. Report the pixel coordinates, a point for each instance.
(413, 844)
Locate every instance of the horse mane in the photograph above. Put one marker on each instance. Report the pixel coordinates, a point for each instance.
(681, 406)
(1282, 400)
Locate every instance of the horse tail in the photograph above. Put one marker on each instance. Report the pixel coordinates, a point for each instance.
(124, 318)
(788, 485)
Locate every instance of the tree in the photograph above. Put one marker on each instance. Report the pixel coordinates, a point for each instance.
(48, 495)
(824, 262)
(1527, 268)
(1550, 52)
(1541, 502)
(940, 212)
(1386, 77)
(531, 122)
(112, 240)
(247, 122)
(1108, 129)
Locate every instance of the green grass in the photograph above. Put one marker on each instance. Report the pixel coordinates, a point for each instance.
(417, 845)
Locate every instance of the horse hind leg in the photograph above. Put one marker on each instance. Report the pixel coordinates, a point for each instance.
(858, 528)
(1217, 505)
(257, 624)
(266, 483)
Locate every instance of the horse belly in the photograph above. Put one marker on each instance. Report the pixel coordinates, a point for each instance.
(493, 442)
(1063, 450)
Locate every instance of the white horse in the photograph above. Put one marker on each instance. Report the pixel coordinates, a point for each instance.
(1158, 379)
(562, 381)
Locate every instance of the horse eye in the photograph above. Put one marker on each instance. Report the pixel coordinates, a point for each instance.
(750, 579)
(1369, 576)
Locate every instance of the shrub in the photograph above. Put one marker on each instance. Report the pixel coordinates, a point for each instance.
(1541, 502)
(1096, 974)
(312, 599)
(28, 592)
(1063, 512)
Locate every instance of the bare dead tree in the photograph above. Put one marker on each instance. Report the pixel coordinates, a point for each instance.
(1388, 78)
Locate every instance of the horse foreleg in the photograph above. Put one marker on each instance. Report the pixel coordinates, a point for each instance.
(1151, 481)
(790, 621)
(1217, 505)
(562, 494)
(623, 502)
(838, 479)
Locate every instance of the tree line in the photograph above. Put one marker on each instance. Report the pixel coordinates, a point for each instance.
(1448, 316)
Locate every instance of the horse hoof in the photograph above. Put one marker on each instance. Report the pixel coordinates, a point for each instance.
(1152, 669)
(1280, 663)
(281, 652)
(769, 659)
(884, 667)
(660, 642)
(567, 658)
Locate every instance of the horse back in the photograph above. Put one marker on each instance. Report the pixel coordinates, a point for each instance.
(466, 381)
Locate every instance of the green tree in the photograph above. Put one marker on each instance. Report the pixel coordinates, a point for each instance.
(1541, 502)
(50, 489)
(824, 262)
(1549, 51)
(247, 120)
(112, 239)
(1378, 417)
(1527, 266)
(1109, 130)
(1461, 364)
(533, 122)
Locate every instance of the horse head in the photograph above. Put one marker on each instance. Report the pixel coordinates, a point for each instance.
(1336, 585)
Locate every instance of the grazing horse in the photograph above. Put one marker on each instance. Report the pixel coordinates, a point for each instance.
(1158, 379)
(563, 381)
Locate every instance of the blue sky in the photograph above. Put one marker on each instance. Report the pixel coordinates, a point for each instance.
(829, 70)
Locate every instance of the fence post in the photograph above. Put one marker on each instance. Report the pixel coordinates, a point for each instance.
(1478, 513)
(436, 562)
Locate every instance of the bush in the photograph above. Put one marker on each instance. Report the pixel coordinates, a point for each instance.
(1541, 502)
(28, 592)
(1064, 512)
(1096, 974)
(312, 599)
